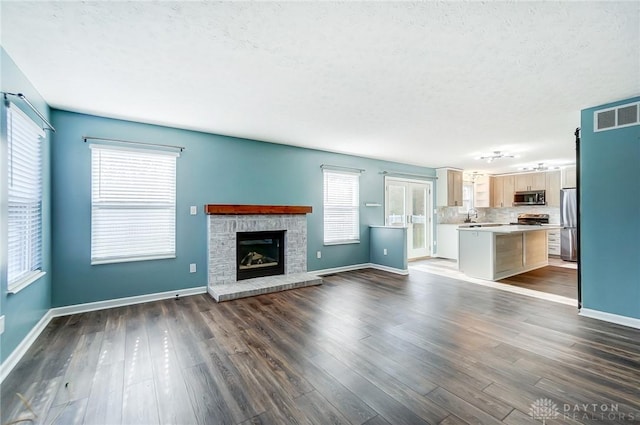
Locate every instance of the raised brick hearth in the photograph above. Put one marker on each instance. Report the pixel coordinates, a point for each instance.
(222, 228)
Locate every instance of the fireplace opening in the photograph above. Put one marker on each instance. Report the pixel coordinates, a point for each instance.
(259, 254)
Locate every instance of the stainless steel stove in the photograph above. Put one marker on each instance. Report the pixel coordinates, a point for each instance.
(532, 219)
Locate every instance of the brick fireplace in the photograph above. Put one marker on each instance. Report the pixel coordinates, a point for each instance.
(226, 222)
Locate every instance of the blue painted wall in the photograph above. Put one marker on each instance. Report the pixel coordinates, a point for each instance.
(394, 240)
(213, 169)
(22, 310)
(610, 216)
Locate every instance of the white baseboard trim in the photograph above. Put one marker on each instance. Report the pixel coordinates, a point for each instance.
(324, 272)
(403, 272)
(612, 318)
(15, 356)
(7, 366)
(120, 302)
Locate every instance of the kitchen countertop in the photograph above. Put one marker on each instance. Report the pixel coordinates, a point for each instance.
(468, 224)
(509, 228)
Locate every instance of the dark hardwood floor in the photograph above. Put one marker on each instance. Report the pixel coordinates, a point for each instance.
(367, 347)
(550, 279)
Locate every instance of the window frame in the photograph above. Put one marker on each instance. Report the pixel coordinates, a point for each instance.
(99, 203)
(470, 200)
(355, 206)
(29, 191)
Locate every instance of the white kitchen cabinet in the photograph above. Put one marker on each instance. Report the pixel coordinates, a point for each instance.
(494, 253)
(553, 242)
(553, 188)
(569, 177)
(449, 187)
(447, 242)
(482, 192)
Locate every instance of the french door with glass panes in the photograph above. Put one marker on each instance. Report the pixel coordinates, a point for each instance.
(408, 203)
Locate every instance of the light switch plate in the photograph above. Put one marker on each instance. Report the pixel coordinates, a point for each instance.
(194, 210)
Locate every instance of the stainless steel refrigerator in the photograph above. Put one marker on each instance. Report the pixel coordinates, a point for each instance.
(569, 223)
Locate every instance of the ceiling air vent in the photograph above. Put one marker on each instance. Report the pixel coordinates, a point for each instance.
(620, 116)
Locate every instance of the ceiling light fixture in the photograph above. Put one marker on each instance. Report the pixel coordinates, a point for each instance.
(539, 167)
(473, 176)
(496, 155)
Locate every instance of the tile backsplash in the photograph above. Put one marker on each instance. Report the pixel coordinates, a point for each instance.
(453, 215)
(496, 215)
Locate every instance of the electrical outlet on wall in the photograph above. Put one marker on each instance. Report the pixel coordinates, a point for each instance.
(319, 254)
(384, 251)
(1, 325)
(192, 268)
(193, 210)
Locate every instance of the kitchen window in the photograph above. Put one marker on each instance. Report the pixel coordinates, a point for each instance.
(467, 197)
(24, 184)
(341, 207)
(133, 204)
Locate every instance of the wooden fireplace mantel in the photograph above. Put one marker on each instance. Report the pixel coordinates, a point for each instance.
(222, 209)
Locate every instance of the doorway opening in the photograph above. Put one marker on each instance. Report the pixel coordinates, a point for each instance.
(409, 203)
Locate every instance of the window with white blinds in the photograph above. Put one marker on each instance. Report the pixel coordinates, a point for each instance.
(133, 204)
(341, 207)
(24, 183)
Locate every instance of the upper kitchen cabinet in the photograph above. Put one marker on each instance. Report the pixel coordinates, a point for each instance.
(502, 191)
(509, 186)
(569, 177)
(553, 188)
(449, 187)
(481, 192)
(530, 181)
(497, 190)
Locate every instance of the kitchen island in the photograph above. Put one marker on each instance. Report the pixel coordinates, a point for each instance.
(496, 252)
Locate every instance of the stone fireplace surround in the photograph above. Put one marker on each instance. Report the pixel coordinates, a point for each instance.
(225, 221)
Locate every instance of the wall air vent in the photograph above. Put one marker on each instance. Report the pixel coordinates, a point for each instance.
(620, 116)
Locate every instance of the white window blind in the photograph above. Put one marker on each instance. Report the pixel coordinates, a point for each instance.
(24, 199)
(341, 207)
(133, 204)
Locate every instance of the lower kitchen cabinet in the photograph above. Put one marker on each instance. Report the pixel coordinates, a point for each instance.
(553, 242)
(508, 253)
(447, 242)
(493, 253)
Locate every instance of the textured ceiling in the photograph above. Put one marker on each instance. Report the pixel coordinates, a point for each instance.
(433, 84)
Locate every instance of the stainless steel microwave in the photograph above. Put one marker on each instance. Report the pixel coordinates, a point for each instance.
(531, 197)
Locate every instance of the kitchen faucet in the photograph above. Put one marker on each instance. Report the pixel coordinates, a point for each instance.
(468, 219)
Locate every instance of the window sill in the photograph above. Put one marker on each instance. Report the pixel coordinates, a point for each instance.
(132, 259)
(25, 281)
(340, 243)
